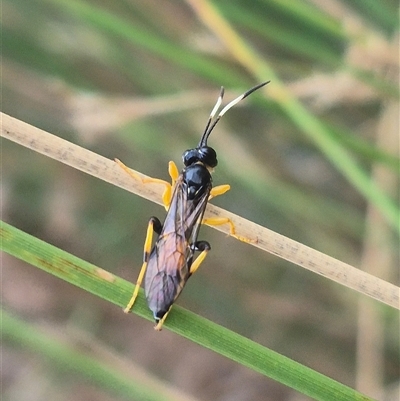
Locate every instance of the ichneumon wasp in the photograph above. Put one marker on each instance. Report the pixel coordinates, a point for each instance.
(171, 261)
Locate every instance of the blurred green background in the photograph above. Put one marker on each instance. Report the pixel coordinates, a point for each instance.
(136, 80)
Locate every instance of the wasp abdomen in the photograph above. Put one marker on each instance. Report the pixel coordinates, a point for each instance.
(163, 292)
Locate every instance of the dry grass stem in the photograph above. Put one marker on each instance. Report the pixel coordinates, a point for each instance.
(263, 238)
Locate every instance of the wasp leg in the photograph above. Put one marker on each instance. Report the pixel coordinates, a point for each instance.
(154, 226)
(219, 221)
(204, 247)
(216, 221)
(158, 326)
(219, 190)
(167, 194)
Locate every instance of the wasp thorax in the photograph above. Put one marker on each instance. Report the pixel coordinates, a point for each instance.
(205, 155)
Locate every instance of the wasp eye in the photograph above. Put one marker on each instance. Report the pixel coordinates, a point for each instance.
(208, 156)
(190, 157)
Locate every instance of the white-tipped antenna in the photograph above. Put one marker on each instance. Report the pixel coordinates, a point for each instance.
(203, 140)
(209, 126)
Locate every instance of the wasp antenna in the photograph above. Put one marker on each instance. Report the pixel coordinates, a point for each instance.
(209, 127)
(203, 140)
(240, 98)
(219, 101)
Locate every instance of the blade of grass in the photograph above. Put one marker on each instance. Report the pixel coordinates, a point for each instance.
(265, 239)
(305, 121)
(310, 15)
(365, 149)
(201, 331)
(274, 31)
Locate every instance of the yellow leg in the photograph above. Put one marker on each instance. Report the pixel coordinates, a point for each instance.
(158, 326)
(173, 172)
(219, 221)
(219, 190)
(167, 194)
(199, 260)
(147, 249)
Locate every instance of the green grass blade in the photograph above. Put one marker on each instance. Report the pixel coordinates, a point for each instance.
(309, 14)
(274, 31)
(201, 331)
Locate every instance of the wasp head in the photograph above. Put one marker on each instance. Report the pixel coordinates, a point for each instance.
(203, 154)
